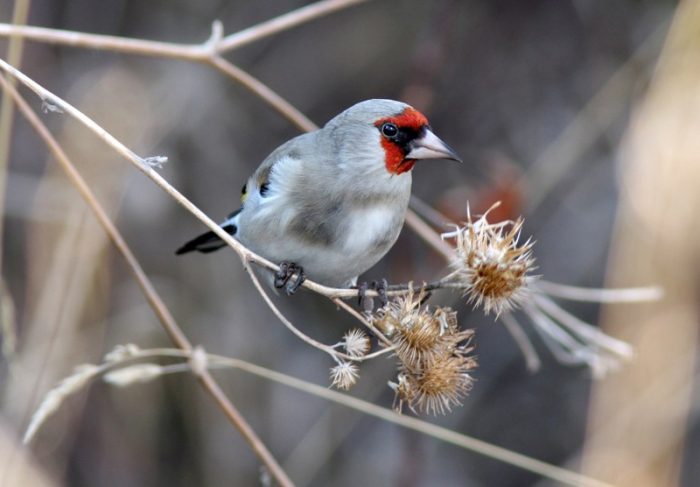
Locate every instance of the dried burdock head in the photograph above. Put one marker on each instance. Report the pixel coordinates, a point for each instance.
(432, 334)
(491, 265)
(356, 343)
(344, 375)
(433, 353)
(397, 313)
(438, 387)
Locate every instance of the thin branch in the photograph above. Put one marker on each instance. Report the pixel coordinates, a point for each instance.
(268, 95)
(283, 22)
(305, 338)
(582, 329)
(429, 235)
(532, 360)
(592, 295)
(364, 321)
(161, 311)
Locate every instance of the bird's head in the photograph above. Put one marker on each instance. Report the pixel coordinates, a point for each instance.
(392, 133)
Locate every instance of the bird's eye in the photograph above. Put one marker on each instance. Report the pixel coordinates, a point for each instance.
(389, 130)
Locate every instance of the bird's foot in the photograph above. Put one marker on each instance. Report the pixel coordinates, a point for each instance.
(283, 277)
(367, 303)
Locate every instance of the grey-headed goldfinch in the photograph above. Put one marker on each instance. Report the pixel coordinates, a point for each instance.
(332, 202)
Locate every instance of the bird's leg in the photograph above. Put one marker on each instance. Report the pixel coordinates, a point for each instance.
(282, 276)
(367, 303)
(286, 272)
(301, 277)
(380, 287)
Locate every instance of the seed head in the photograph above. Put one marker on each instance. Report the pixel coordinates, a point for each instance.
(491, 265)
(398, 313)
(356, 343)
(437, 388)
(344, 375)
(433, 353)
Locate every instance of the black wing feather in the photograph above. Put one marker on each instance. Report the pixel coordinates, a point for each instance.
(207, 242)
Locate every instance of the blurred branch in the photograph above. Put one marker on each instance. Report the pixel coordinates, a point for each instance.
(154, 300)
(283, 22)
(591, 295)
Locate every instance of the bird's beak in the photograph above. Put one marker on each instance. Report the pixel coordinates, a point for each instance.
(429, 146)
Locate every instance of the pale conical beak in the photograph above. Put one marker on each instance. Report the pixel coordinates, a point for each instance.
(429, 146)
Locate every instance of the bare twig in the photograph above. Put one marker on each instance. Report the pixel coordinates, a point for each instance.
(283, 22)
(532, 360)
(305, 338)
(161, 311)
(591, 295)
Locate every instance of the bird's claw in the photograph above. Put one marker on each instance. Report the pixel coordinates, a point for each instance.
(367, 303)
(380, 287)
(284, 275)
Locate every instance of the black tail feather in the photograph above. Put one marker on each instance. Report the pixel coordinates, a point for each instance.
(207, 242)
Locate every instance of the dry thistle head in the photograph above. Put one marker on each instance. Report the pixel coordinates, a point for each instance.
(397, 313)
(490, 263)
(356, 343)
(433, 354)
(344, 375)
(437, 388)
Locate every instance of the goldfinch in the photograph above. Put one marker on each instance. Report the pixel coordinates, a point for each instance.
(329, 204)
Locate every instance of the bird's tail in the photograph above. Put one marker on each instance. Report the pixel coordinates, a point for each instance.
(209, 241)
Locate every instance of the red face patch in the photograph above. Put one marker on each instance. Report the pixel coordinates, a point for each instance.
(409, 120)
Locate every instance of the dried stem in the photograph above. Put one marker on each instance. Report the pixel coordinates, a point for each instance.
(532, 360)
(429, 235)
(574, 293)
(305, 338)
(161, 311)
(361, 319)
(283, 22)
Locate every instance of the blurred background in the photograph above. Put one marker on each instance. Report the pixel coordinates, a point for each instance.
(580, 116)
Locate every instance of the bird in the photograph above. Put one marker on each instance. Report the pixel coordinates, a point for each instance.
(329, 204)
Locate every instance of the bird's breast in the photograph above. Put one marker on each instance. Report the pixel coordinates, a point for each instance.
(371, 231)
